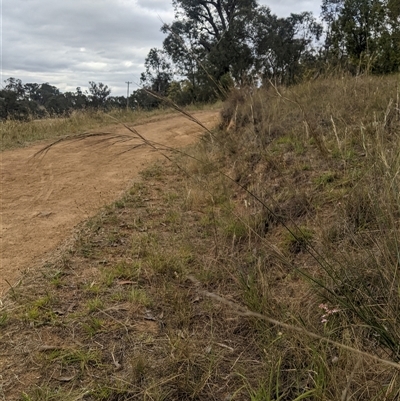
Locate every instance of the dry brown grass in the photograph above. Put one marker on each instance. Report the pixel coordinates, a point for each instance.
(19, 133)
(189, 287)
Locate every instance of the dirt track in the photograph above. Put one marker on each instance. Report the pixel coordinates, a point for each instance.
(44, 198)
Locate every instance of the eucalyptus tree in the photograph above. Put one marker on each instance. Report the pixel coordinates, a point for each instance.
(15, 85)
(158, 74)
(181, 45)
(215, 33)
(284, 46)
(365, 33)
(99, 93)
(216, 40)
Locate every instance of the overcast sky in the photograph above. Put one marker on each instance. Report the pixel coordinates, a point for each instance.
(71, 42)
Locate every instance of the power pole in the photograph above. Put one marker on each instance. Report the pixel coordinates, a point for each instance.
(127, 96)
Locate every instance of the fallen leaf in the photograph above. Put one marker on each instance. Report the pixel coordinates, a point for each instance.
(64, 378)
(149, 316)
(50, 347)
(225, 346)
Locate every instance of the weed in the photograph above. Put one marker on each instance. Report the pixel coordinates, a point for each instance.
(170, 197)
(3, 318)
(40, 311)
(142, 244)
(298, 240)
(93, 326)
(121, 271)
(94, 305)
(57, 278)
(173, 218)
(154, 171)
(139, 368)
(171, 265)
(324, 179)
(120, 204)
(108, 392)
(139, 297)
(81, 358)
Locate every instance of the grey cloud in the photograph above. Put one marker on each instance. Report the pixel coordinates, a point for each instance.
(78, 40)
(155, 4)
(68, 43)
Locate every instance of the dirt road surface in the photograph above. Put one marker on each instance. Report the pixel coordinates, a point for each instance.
(42, 199)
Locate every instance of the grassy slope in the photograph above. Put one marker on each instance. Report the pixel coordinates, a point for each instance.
(117, 317)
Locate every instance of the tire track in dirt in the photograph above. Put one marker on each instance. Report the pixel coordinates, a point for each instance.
(42, 199)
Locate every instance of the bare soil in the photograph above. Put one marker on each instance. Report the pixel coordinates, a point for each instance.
(44, 197)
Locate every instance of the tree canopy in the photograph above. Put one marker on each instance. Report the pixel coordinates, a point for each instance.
(210, 40)
(363, 33)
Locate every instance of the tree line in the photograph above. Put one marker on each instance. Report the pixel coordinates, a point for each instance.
(213, 45)
(23, 101)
